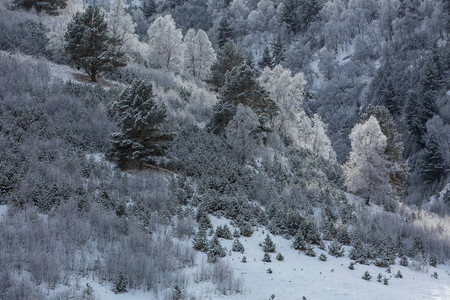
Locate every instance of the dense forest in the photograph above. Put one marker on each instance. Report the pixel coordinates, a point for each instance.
(128, 128)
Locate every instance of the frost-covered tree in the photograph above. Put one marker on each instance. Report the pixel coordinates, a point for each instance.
(141, 137)
(268, 245)
(229, 57)
(241, 88)
(367, 170)
(241, 133)
(166, 44)
(120, 24)
(292, 124)
(215, 250)
(90, 46)
(394, 146)
(199, 55)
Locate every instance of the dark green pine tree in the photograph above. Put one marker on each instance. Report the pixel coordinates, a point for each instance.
(268, 245)
(289, 15)
(433, 164)
(299, 241)
(89, 45)
(414, 120)
(215, 250)
(310, 9)
(228, 57)
(200, 240)
(139, 118)
(266, 59)
(149, 8)
(277, 51)
(225, 32)
(241, 88)
(49, 6)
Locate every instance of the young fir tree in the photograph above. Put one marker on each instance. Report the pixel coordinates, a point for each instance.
(200, 240)
(121, 283)
(215, 250)
(433, 260)
(266, 59)
(241, 88)
(228, 57)
(237, 246)
(366, 276)
(141, 137)
(225, 33)
(335, 249)
(268, 245)
(89, 44)
(433, 163)
(299, 241)
(266, 257)
(277, 51)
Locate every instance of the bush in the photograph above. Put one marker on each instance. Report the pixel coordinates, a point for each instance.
(237, 246)
(398, 274)
(266, 257)
(322, 257)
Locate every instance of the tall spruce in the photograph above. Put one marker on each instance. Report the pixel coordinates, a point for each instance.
(141, 137)
(241, 88)
(225, 32)
(433, 163)
(277, 48)
(229, 57)
(266, 59)
(89, 44)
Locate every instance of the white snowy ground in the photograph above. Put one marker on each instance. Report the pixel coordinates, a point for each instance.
(300, 275)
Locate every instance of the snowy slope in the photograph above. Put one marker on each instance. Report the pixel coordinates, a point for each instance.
(303, 276)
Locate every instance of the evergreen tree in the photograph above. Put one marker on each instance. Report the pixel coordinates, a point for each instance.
(266, 59)
(241, 88)
(49, 6)
(277, 51)
(309, 11)
(200, 240)
(289, 15)
(89, 45)
(417, 246)
(148, 8)
(299, 241)
(433, 260)
(366, 276)
(237, 246)
(225, 32)
(404, 261)
(266, 257)
(215, 250)
(139, 118)
(229, 57)
(433, 163)
(280, 256)
(336, 249)
(121, 283)
(268, 245)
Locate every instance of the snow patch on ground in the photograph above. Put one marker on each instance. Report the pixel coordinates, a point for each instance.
(3, 210)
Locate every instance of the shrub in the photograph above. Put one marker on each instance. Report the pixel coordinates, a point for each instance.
(280, 256)
(266, 257)
(268, 245)
(322, 257)
(336, 249)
